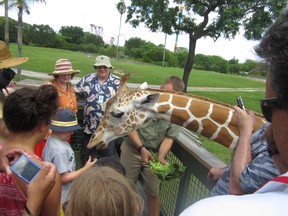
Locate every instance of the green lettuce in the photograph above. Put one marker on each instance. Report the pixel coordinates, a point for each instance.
(166, 172)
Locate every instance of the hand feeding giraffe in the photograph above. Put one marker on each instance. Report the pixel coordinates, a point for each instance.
(128, 109)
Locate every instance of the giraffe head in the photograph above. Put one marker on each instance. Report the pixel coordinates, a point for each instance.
(123, 114)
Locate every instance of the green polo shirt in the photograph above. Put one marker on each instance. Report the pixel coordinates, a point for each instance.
(153, 131)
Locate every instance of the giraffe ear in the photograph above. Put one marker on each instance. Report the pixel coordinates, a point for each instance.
(147, 101)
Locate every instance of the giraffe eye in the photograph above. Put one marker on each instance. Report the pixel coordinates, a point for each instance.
(117, 114)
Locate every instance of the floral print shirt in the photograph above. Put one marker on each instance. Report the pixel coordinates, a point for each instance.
(95, 95)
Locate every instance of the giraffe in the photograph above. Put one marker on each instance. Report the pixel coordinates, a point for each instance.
(128, 109)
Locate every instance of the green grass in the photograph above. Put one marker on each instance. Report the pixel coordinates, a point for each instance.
(43, 60)
(251, 99)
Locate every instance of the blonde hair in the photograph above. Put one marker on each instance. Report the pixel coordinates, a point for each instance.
(103, 191)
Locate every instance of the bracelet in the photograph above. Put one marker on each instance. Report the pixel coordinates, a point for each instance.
(28, 211)
(140, 148)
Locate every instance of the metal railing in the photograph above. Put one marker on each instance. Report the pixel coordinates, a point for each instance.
(177, 195)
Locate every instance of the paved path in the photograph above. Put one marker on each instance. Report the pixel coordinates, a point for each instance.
(43, 77)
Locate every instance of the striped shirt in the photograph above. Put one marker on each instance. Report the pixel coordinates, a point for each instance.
(261, 169)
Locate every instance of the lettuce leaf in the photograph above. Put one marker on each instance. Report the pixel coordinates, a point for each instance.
(166, 172)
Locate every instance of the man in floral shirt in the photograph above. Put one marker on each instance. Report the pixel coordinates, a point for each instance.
(96, 89)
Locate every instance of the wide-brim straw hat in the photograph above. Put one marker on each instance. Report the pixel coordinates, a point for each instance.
(65, 120)
(103, 60)
(64, 67)
(7, 60)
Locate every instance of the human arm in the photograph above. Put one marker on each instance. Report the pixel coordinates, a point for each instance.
(242, 154)
(215, 173)
(39, 188)
(82, 88)
(145, 154)
(70, 176)
(51, 205)
(165, 147)
(170, 132)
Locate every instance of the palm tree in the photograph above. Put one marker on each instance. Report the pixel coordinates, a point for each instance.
(23, 6)
(6, 21)
(121, 7)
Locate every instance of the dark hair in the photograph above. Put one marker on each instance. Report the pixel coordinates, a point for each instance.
(112, 162)
(273, 48)
(178, 84)
(25, 108)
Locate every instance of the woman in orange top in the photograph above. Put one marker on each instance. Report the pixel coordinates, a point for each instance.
(63, 74)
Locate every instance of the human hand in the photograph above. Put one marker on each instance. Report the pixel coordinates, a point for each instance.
(146, 155)
(8, 157)
(40, 187)
(215, 173)
(162, 160)
(90, 162)
(245, 119)
(9, 89)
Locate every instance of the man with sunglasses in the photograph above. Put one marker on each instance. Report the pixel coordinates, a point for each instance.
(252, 164)
(272, 197)
(96, 89)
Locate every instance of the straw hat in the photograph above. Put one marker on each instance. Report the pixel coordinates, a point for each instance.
(65, 120)
(6, 59)
(103, 60)
(64, 67)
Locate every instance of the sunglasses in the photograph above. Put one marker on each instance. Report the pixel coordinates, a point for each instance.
(267, 105)
(100, 67)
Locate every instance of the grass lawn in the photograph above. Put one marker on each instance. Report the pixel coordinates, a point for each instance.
(43, 60)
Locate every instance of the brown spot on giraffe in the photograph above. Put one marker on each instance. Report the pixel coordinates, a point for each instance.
(219, 114)
(180, 101)
(163, 98)
(163, 108)
(225, 137)
(181, 118)
(193, 126)
(198, 109)
(209, 128)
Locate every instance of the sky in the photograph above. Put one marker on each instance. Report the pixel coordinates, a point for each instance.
(103, 13)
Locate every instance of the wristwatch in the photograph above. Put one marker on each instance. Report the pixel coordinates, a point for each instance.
(140, 148)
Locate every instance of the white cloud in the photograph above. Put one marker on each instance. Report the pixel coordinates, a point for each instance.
(57, 13)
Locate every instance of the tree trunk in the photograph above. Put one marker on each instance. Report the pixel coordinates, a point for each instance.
(6, 28)
(190, 60)
(20, 39)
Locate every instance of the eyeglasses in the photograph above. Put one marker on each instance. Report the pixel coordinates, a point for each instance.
(100, 67)
(267, 105)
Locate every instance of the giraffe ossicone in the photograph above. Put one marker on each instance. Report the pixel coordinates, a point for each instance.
(128, 110)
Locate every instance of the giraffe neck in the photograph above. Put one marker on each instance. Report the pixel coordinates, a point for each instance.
(214, 120)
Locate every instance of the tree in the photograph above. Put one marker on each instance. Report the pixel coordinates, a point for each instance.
(42, 35)
(121, 7)
(23, 6)
(93, 39)
(72, 34)
(205, 18)
(6, 25)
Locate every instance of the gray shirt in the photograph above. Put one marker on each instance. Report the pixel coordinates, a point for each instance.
(61, 154)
